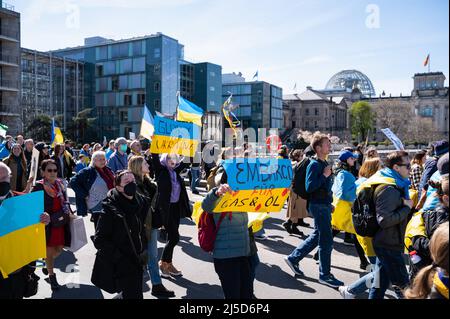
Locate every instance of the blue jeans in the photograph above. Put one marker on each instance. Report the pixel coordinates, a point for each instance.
(153, 267)
(195, 173)
(322, 236)
(390, 268)
(365, 282)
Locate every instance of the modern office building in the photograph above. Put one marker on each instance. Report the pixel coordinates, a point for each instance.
(51, 85)
(10, 109)
(126, 74)
(260, 103)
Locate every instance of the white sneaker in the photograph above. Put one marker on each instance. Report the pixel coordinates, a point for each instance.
(343, 290)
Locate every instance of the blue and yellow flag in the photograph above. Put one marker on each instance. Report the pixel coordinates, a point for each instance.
(57, 137)
(173, 137)
(22, 236)
(147, 126)
(189, 112)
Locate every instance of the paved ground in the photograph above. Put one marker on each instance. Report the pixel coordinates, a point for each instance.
(274, 279)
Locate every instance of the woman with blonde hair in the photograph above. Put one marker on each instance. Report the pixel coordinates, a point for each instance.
(432, 281)
(148, 189)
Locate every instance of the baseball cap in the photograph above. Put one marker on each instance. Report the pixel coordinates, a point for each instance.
(345, 155)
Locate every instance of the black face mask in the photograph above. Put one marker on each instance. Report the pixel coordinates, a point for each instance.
(130, 189)
(5, 187)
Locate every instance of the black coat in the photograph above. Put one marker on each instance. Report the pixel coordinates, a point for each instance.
(111, 238)
(392, 216)
(432, 220)
(48, 206)
(162, 177)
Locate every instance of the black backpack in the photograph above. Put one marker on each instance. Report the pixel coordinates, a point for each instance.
(364, 211)
(299, 181)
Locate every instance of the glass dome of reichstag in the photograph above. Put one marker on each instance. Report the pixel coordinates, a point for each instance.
(350, 79)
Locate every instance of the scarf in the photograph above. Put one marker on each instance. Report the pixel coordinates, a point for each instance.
(107, 176)
(401, 182)
(440, 282)
(176, 187)
(55, 191)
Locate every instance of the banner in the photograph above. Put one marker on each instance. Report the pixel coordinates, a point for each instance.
(34, 165)
(259, 185)
(174, 137)
(255, 220)
(22, 235)
(394, 139)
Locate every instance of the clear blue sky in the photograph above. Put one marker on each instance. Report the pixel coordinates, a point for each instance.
(288, 41)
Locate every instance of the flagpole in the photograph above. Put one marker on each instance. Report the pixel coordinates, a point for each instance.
(429, 65)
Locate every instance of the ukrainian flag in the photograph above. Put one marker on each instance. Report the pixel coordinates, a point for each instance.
(22, 235)
(189, 112)
(57, 137)
(147, 126)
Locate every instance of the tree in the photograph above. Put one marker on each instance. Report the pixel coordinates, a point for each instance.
(81, 125)
(362, 118)
(40, 128)
(395, 115)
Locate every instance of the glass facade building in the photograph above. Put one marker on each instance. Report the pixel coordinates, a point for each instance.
(10, 113)
(51, 86)
(126, 74)
(260, 104)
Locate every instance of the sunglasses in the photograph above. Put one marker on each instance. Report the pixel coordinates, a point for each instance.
(408, 166)
(51, 171)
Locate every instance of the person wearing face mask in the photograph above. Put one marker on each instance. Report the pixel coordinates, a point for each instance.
(119, 160)
(120, 237)
(18, 165)
(14, 286)
(91, 186)
(172, 204)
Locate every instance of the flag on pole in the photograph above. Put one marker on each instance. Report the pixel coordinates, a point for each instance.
(57, 137)
(3, 130)
(295, 86)
(232, 119)
(256, 76)
(427, 61)
(147, 126)
(189, 112)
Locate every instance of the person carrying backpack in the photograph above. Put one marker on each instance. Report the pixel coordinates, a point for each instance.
(344, 193)
(318, 184)
(431, 220)
(392, 207)
(231, 248)
(297, 209)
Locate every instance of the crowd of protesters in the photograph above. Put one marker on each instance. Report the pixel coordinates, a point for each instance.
(132, 195)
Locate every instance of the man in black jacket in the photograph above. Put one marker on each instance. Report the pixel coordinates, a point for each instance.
(120, 237)
(392, 205)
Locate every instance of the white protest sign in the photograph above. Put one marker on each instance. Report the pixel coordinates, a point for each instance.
(394, 139)
(132, 136)
(34, 165)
